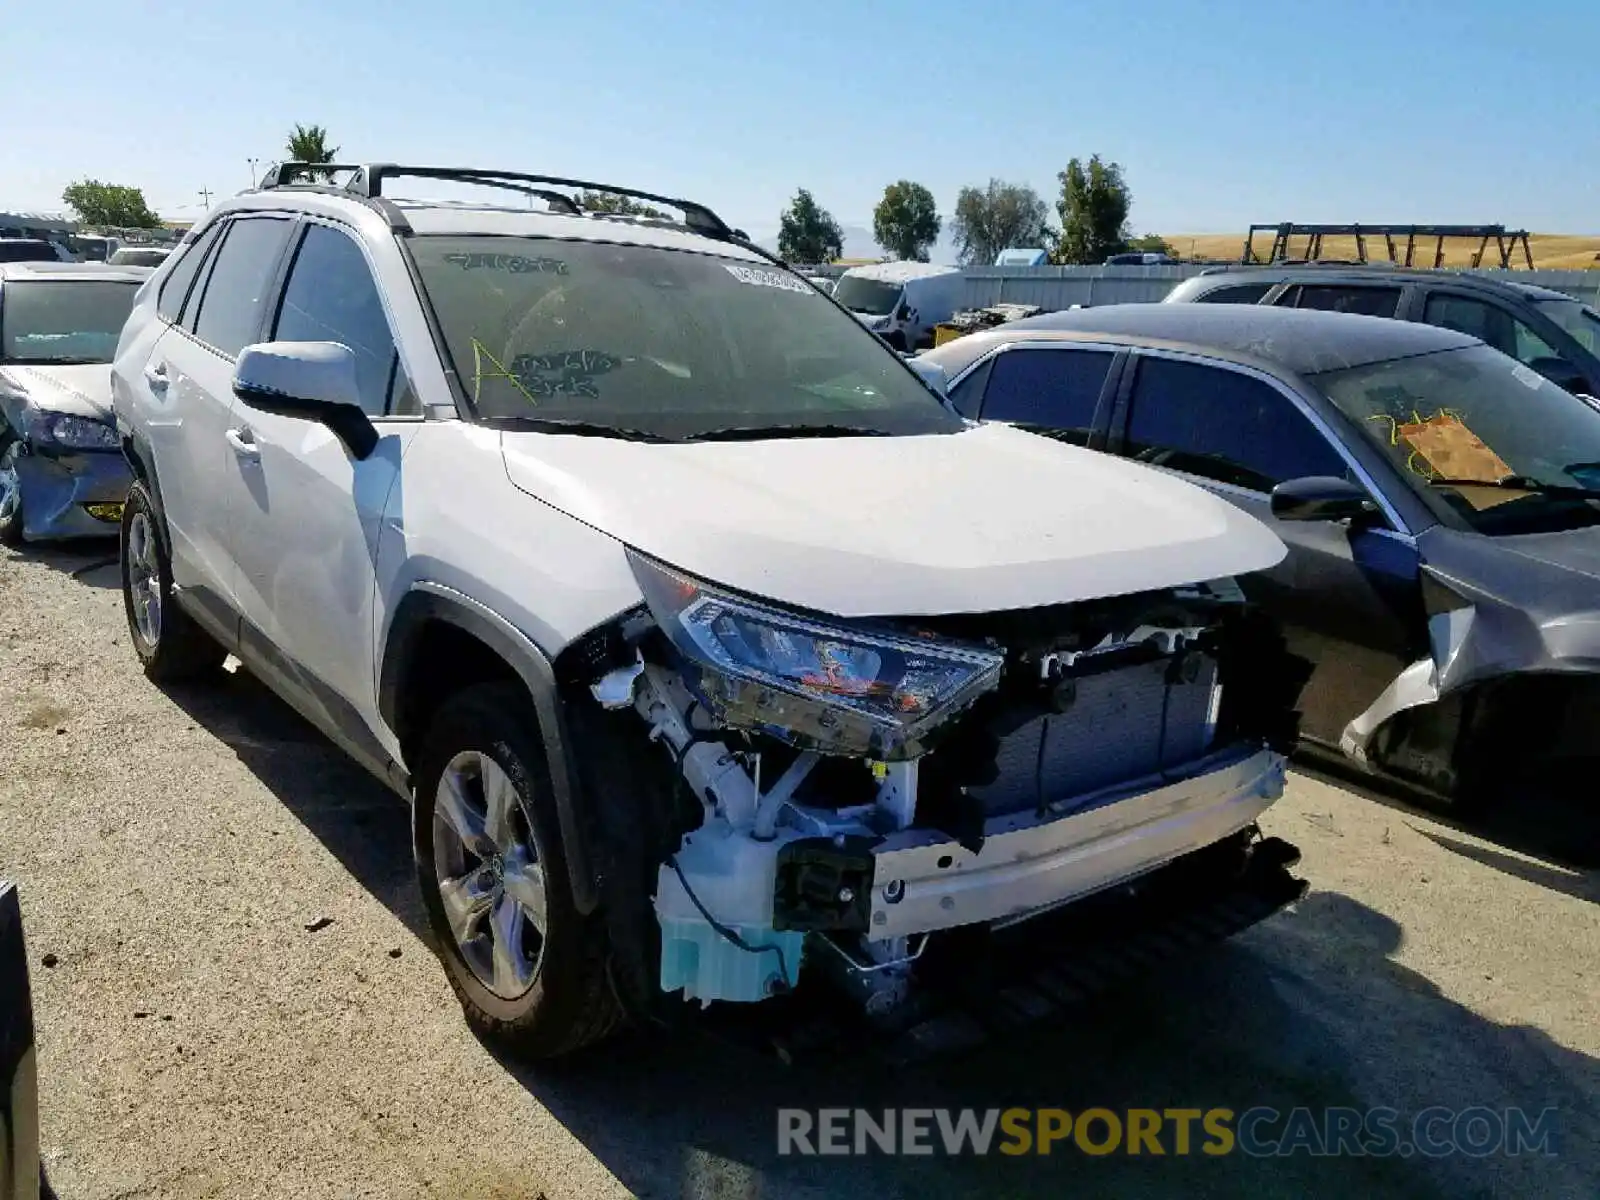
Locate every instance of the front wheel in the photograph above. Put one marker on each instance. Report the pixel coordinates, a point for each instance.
(10, 488)
(170, 646)
(528, 968)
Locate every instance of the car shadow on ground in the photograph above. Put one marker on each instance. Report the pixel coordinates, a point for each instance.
(1306, 1010)
(92, 561)
(362, 823)
(1555, 817)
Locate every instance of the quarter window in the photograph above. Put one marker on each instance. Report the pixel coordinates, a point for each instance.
(1055, 390)
(1223, 425)
(331, 297)
(236, 289)
(1238, 293)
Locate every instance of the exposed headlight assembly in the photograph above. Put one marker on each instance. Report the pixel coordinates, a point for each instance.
(74, 433)
(833, 688)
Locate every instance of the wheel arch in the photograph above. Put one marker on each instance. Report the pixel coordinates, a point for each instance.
(432, 614)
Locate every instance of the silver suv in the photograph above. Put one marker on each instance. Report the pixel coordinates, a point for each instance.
(716, 655)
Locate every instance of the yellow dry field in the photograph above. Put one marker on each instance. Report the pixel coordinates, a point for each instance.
(1551, 251)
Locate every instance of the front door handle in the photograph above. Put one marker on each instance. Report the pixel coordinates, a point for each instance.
(155, 374)
(243, 444)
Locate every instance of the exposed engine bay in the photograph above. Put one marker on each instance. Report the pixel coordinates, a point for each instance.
(850, 792)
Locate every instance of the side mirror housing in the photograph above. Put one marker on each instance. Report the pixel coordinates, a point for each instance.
(932, 374)
(1321, 498)
(311, 381)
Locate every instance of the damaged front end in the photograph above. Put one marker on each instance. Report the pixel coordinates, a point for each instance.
(830, 797)
(64, 474)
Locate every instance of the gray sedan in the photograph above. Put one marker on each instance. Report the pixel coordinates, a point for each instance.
(62, 473)
(1440, 502)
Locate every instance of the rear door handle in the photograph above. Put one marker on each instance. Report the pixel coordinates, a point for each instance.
(242, 443)
(156, 376)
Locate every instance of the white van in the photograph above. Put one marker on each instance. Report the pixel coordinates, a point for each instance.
(901, 301)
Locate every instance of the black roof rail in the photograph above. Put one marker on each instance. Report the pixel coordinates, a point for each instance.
(369, 180)
(318, 177)
(366, 183)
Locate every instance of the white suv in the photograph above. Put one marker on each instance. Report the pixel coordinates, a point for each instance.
(711, 648)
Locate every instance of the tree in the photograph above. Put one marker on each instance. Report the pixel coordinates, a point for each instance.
(996, 218)
(906, 221)
(610, 202)
(807, 232)
(109, 204)
(1152, 243)
(1094, 211)
(309, 144)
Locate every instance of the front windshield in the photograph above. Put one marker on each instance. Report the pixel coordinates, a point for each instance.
(63, 321)
(1581, 321)
(870, 296)
(663, 343)
(1476, 415)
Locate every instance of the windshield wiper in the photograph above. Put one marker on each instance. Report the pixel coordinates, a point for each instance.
(580, 428)
(757, 433)
(1522, 483)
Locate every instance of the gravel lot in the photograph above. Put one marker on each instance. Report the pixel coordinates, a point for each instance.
(240, 1002)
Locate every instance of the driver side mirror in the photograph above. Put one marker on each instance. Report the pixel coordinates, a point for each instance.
(931, 374)
(311, 381)
(1321, 498)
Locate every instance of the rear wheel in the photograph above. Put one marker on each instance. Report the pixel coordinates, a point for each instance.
(528, 968)
(170, 646)
(10, 488)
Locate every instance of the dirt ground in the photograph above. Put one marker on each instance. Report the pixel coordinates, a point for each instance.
(240, 1002)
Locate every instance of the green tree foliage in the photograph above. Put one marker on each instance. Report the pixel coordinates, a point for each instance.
(109, 204)
(906, 221)
(1094, 208)
(610, 202)
(1152, 243)
(807, 232)
(309, 144)
(999, 217)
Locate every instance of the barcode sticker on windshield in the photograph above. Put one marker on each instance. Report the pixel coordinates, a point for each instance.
(1526, 376)
(771, 279)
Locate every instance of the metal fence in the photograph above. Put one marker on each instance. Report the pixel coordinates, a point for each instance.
(1053, 288)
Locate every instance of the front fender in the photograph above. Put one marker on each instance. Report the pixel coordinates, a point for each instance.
(427, 602)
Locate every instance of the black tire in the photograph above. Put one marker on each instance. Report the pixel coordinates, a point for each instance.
(570, 1003)
(10, 524)
(180, 650)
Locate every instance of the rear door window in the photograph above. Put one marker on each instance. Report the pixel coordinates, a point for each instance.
(175, 289)
(1224, 425)
(1361, 300)
(1055, 390)
(236, 290)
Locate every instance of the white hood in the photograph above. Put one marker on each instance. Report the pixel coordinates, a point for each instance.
(988, 519)
(80, 390)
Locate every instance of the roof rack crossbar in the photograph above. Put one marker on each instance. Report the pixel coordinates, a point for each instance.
(370, 178)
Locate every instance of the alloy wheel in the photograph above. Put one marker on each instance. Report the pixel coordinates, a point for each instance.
(10, 483)
(144, 578)
(491, 880)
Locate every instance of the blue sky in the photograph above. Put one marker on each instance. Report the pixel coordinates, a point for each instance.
(1221, 113)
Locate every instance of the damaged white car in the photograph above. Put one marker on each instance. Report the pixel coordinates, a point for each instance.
(61, 471)
(716, 654)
